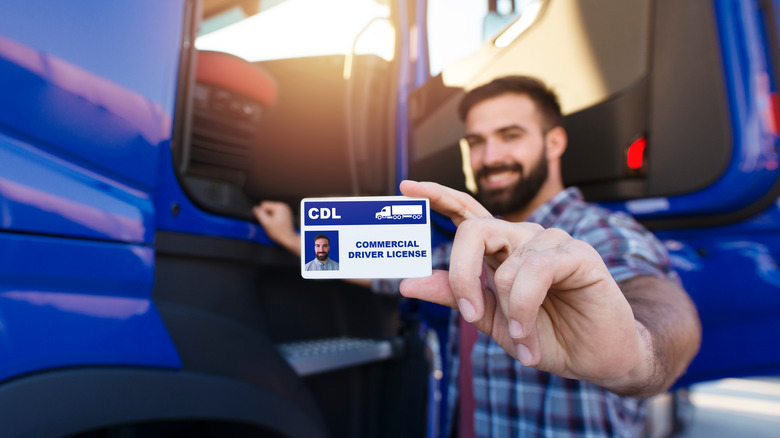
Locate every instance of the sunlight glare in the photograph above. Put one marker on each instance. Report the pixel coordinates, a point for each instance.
(300, 28)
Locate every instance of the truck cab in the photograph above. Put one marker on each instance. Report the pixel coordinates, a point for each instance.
(138, 295)
(671, 110)
(384, 213)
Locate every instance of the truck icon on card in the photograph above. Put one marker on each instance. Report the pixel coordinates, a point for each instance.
(400, 212)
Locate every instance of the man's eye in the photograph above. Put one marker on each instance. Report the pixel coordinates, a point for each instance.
(508, 136)
(475, 142)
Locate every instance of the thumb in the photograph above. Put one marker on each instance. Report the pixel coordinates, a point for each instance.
(435, 289)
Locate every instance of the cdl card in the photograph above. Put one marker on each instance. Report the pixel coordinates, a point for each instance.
(365, 237)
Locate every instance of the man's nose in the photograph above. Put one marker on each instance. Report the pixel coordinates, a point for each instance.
(494, 152)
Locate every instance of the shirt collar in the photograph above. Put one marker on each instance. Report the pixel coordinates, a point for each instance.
(550, 211)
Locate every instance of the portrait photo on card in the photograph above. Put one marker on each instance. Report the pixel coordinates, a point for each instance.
(321, 250)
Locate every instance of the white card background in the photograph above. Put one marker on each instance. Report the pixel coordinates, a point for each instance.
(356, 224)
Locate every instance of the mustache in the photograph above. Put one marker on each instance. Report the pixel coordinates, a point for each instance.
(502, 168)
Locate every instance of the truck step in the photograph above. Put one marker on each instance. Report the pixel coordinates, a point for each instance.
(321, 355)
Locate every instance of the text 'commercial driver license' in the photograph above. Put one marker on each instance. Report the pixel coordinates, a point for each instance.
(365, 237)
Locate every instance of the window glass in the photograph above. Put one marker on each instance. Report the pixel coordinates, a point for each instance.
(458, 28)
(320, 28)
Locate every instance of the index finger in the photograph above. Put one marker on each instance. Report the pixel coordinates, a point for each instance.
(478, 242)
(454, 204)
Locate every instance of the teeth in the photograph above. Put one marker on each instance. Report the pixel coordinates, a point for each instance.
(498, 176)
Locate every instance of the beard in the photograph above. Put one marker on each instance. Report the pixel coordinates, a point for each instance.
(514, 198)
(322, 256)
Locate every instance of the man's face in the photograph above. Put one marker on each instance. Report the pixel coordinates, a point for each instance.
(321, 249)
(507, 151)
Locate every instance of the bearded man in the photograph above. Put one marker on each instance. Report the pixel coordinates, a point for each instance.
(321, 260)
(578, 313)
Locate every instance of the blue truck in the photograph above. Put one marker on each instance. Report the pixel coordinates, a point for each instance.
(138, 296)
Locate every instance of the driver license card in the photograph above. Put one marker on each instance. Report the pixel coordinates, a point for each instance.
(365, 237)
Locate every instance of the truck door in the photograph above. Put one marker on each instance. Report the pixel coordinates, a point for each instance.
(284, 100)
(83, 119)
(138, 295)
(692, 85)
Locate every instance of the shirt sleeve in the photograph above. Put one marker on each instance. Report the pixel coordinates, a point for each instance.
(627, 248)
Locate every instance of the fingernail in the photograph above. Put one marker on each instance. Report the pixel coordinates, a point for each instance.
(523, 354)
(467, 310)
(515, 329)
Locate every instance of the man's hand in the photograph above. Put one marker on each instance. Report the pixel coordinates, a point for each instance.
(277, 220)
(456, 205)
(547, 299)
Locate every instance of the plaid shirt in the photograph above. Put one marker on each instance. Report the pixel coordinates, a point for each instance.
(517, 401)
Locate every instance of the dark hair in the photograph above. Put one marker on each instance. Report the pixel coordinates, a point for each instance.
(545, 100)
(322, 236)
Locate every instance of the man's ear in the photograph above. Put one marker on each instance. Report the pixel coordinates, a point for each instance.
(556, 142)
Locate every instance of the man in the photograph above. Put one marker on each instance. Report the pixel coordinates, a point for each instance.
(578, 310)
(321, 262)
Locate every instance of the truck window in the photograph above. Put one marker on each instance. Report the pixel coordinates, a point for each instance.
(326, 133)
(458, 28)
(263, 32)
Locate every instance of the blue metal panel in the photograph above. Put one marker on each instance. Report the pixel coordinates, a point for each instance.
(177, 213)
(732, 275)
(92, 85)
(88, 92)
(405, 87)
(65, 302)
(44, 194)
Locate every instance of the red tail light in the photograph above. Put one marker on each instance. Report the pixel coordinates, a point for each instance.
(773, 118)
(635, 157)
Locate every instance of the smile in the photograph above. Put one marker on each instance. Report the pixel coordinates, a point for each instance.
(500, 178)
